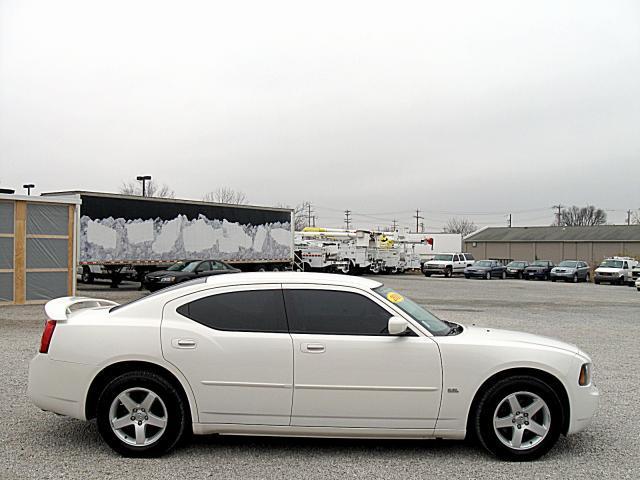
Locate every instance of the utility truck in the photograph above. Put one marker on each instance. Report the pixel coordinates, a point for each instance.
(125, 237)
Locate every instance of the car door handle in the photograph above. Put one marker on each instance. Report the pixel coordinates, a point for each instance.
(183, 343)
(312, 348)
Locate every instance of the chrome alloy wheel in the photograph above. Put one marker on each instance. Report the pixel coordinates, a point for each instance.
(138, 417)
(522, 420)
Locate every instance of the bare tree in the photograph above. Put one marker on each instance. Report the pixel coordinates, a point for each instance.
(582, 216)
(151, 190)
(300, 214)
(463, 226)
(226, 195)
(636, 218)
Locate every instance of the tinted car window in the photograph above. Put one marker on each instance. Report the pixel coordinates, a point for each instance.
(251, 311)
(334, 313)
(469, 256)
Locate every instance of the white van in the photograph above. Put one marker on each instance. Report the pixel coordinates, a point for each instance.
(616, 270)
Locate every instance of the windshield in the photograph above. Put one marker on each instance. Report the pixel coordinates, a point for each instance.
(516, 264)
(482, 263)
(446, 258)
(569, 264)
(612, 263)
(178, 266)
(540, 263)
(415, 311)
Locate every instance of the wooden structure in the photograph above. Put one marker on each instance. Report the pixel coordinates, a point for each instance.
(38, 247)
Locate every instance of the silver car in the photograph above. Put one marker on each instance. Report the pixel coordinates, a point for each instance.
(571, 270)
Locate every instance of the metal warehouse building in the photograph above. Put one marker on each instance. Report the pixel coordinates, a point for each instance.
(591, 244)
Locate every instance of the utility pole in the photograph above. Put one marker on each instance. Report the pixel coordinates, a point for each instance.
(309, 220)
(509, 221)
(422, 227)
(418, 218)
(559, 214)
(347, 218)
(628, 217)
(395, 224)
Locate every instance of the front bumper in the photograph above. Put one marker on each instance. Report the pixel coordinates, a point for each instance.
(585, 402)
(59, 387)
(515, 274)
(476, 274)
(608, 278)
(562, 275)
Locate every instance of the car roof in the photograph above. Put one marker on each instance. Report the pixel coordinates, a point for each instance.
(248, 278)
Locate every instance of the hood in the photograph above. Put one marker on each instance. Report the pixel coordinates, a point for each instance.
(536, 267)
(167, 273)
(478, 267)
(608, 269)
(492, 336)
(439, 262)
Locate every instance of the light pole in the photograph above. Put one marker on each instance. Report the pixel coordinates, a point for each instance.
(28, 186)
(144, 179)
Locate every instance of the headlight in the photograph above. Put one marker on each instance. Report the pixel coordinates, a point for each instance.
(585, 375)
(167, 279)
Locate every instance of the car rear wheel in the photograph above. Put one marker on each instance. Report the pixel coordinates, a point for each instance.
(140, 414)
(519, 418)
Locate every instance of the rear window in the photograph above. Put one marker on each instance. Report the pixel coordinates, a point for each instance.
(246, 311)
(188, 283)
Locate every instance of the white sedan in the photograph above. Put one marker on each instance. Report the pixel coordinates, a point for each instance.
(300, 354)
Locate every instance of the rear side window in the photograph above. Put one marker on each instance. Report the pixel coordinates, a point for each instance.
(250, 311)
(334, 313)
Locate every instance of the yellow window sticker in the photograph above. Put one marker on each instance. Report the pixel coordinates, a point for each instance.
(394, 297)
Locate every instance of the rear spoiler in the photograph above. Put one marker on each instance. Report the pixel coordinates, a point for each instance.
(60, 308)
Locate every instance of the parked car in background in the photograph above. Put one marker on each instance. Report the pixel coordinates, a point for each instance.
(185, 270)
(447, 264)
(516, 268)
(571, 270)
(635, 272)
(638, 284)
(253, 353)
(539, 269)
(486, 269)
(615, 270)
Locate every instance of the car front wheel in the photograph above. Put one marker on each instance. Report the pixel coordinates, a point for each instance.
(141, 414)
(519, 418)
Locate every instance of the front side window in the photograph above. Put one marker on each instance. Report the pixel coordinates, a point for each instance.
(332, 312)
(469, 256)
(445, 258)
(415, 311)
(248, 311)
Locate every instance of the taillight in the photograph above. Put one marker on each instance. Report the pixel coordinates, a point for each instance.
(49, 327)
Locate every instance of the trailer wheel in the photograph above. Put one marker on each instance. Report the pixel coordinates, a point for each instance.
(275, 268)
(87, 276)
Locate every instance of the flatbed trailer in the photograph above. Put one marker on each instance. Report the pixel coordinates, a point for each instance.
(125, 237)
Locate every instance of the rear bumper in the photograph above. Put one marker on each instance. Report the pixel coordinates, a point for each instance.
(59, 387)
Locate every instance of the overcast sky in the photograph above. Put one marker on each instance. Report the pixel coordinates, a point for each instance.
(477, 107)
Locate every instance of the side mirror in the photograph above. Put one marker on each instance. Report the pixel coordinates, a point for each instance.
(397, 326)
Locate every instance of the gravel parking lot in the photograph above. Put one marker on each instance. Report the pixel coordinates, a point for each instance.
(603, 320)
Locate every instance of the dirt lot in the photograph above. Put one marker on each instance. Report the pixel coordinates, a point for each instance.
(603, 320)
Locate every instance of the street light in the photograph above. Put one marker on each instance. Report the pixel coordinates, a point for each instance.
(143, 179)
(28, 186)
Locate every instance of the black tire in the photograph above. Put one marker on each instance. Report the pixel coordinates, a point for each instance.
(597, 282)
(587, 278)
(427, 274)
(495, 395)
(448, 273)
(504, 275)
(575, 278)
(520, 275)
(177, 413)
(488, 276)
(87, 276)
(553, 279)
(467, 276)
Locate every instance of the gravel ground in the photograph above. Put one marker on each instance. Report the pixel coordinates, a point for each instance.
(603, 320)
